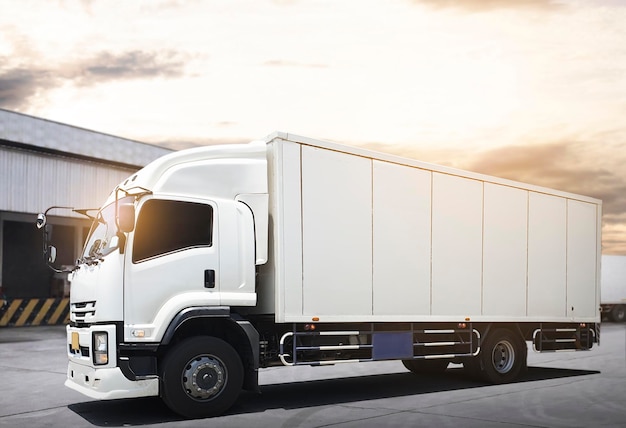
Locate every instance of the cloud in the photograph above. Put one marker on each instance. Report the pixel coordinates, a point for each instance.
(19, 84)
(107, 66)
(488, 5)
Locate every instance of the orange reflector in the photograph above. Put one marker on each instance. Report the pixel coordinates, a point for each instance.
(75, 341)
(315, 319)
(467, 319)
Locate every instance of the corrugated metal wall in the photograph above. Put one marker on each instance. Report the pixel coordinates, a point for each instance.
(30, 182)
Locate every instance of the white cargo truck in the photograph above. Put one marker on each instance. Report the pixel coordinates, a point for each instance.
(213, 262)
(613, 287)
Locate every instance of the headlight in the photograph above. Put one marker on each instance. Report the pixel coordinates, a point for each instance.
(100, 348)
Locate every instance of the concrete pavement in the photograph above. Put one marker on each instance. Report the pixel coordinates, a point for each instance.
(578, 389)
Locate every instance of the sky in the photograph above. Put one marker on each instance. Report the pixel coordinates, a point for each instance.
(529, 90)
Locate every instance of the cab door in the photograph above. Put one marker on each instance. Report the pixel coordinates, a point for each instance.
(172, 259)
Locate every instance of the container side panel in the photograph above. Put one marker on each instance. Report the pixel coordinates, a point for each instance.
(401, 239)
(505, 257)
(456, 245)
(547, 230)
(337, 233)
(581, 259)
(291, 233)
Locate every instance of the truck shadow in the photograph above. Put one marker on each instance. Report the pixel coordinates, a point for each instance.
(300, 395)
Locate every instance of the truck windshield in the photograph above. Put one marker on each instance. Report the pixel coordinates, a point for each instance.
(99, 242)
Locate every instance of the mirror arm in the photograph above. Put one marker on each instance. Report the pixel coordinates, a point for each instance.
(58, 207)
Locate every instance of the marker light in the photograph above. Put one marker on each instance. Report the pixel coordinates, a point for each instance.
(100, 348)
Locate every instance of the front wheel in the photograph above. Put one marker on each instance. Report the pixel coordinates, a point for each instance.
(201, 377)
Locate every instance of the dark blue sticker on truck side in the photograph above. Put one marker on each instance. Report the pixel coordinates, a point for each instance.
(392, 346)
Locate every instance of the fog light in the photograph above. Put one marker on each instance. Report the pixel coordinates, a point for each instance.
(100, 348)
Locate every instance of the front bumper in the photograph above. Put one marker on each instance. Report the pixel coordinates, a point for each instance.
(108, 384)
(105, 382)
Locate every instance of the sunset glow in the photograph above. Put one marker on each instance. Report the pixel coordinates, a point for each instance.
(531, 90)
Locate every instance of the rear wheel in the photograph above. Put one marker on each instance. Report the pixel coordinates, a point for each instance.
(426, 366)
(618, 313)
(202, 376)
(502, 356)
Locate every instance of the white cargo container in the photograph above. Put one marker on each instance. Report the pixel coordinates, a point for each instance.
(363, 236)
(213, 262)
(613, 287)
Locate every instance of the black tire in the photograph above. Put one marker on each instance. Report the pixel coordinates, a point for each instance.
(219, 367)
(618, 313)
(502, 356)
(426, 366)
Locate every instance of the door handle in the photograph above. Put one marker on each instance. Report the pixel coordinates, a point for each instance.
(209, 278)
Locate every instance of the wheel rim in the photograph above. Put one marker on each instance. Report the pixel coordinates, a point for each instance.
(503, 356)
(204, 377)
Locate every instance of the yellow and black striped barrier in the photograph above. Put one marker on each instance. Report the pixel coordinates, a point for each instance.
(21, 312)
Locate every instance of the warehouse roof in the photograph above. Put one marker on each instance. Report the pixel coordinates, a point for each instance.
(21, 130)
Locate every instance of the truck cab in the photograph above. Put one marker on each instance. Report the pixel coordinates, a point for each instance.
(180, 238)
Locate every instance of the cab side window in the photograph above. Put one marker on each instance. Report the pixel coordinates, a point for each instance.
(167, 226)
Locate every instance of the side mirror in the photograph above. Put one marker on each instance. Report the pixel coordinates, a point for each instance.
(41, 220)
(126, 217)
(49, 252)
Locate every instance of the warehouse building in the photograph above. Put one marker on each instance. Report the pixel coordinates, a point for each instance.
(44, 164)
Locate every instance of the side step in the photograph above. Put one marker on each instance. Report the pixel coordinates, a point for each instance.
(565, 338)
(306, 345)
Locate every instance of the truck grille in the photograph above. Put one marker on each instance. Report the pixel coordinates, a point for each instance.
(82, 312)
